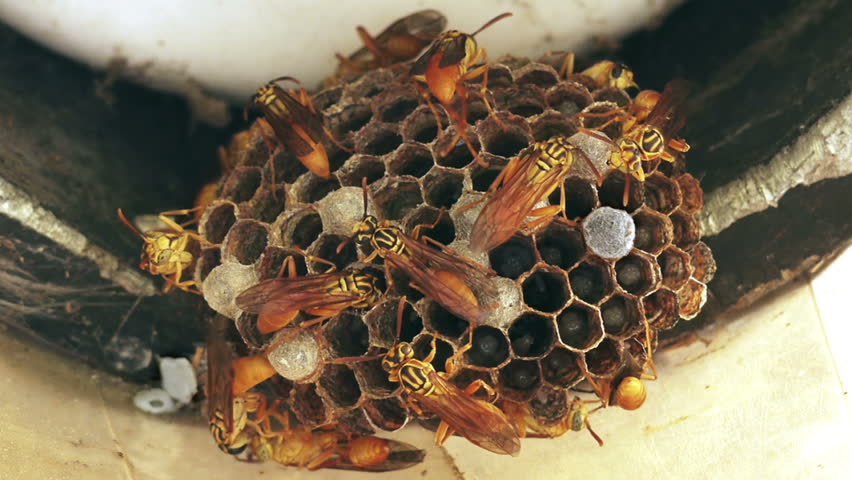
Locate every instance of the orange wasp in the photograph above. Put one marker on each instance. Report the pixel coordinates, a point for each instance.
(279, 300)
(449, 279)
(526, 181)
(427, 390)
(399, 42)
(444, 68)
(576, 419)
(605, 73)
(630, 392)
(296, 123)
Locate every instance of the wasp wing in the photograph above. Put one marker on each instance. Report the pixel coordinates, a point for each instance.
(422, 63)
(669, 114)
(290, 119)
(283, 295)
(220, 376)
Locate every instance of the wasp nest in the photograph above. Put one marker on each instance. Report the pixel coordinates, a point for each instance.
(575, 295)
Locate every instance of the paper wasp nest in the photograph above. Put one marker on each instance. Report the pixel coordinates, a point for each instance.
(565, 308)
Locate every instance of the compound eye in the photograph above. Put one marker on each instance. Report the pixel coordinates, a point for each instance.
(617, 71)
(238, 450)
(406, 351)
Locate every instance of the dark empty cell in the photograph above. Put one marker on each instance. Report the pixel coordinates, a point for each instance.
(498, 77)
(287, 168)
(337, 157)
(386, 414)
(483, 178)
(588, 282)
(576, 326)
(579, 197)
(506, 143)
(477, 110)
(466, 377)
(445, 323)
(340, 385)
(242, 184)
(247, 241)
(686, 229)
(604, 359)
(652, 232)
(352, 119)
(307, 405)
(444, 189)
(540, 77)
(219, 221)
(318, 189)
(326, 249)
(412, 324)
(347, 335)
(602, 114)
(268, 206)
(616, 316)
(524, 105)
(327, 98)
(382, 141)
(513, 258)
(412, 160)
(490, 347)
(402, 286)
(367, 167)
(612, 94)
(422, 126)
(675, 267)
(397, 198)
(549, 128)
(375, 378)
(458, 157)
(424, 347)
(568, 99)
(520, 375)
(560, 245)
(661, 194)
(209, 259)
(560, 368)
(632, 274)
(273, 260)
(545, 291)
(435, 224)
(306, 230)
(531, 335)
(611, 193)
(398, 110)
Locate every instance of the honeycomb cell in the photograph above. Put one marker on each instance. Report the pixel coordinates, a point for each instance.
(476, 109)
(302, 228)
(506, 142)
(604, 359)
(308, 406)
(311, 188)
(338, 384)
(459, 156)
(217, 221)
(483, 177)
(687, 231)
(524, 102)
(580, 327)
(499, 76)
(598, 113)
(609, 233)
(444, 323)
(368, 85)
(661, 193)
(241, 184)
(637, 273)
(421, 126)
(443, 231)
(287, 168)
(703, 264)
(245, 242)
(551, 124)
(269, 203)
(394, 197)
(513, 258)
(661, 309)
(654, 232)
(224, 283)
(560, 368)
(273, 259)
(612, 95)
(442, 188)
(375, 380)
(466, 376)
(622, 316)
(377, 140)
(352, 119)
(387, 414)
(295, 357)
(347, 336)
(423, 347)
(489, 349)
(519, 378)
(546, 290)
(560, 245)
(358, 167)
(326, 248)
(611, 193)
(536, 74)
(382, 322)
(590, 281)
(209, 259)
(568, 98)
(675, 267)
(690, 298)
(326, 98)
(693, 196)
(580, 197)
(412, 159)
(397, 104)
(531, 335)
(549, 405)
(354, 422)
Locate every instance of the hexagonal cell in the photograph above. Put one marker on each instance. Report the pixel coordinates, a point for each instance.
(301, 228)
(247, 327)
(285, 168)
(483, 177)
(354, 422)
(369, 85)
(421, 126)
(599, 113)
(245, 242)
(382, 322)
(326, 97)
(604, 359)
(347, 336)
(326, 248)
(524, 102)
(209, 259)
(687, 231)
(442, 188)
(308, 406)
(499, 76)
(531, 335)
(661, 309)
(611, 192)
(377, 140)
(464, 377)
(560, 244)
(581, 197)
(551, 124)
(412, 159)
(505, 143)
(536, 74)
(387, 414)
(549, 405)
(560, 368)
(444, 323)
(490, 348)
(423, 346)
(241, 184)
(675, 267)
(622, 316)
(397, 103)
(519, 378)
(476, 109)
(217, 222)
(703, 264)
(311, 188)
(374, 379)
(690, 298)
(654, 232)
(273, 258)
(444, 231)
(568, 98)
(612, 95)
(513, 258)
(580, 327)
(459, 156)
(693, 196)
(591, 281)
(269, 203)
(661, 193)
(352, 119)
(358, 167)
(393, 197)
(637, 273)
(339, 384)
(546, 290)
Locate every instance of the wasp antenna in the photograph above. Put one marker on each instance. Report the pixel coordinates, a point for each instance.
(399, 311)
(492, 22)
(364, 190)
(594, 435)
(364, 358)
(285, 78)
(591, 165)
(125, 221)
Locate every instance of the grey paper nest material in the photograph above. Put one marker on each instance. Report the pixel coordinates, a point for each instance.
(565, 308)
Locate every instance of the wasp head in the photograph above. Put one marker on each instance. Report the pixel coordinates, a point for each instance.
(364, 230)
(397, 355)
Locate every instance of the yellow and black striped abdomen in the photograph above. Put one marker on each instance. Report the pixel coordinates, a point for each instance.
(553, 153)
(387, 239)
(651, 142)
(414, 377)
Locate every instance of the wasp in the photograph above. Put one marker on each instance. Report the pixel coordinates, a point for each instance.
(444, 68)
(576, 420)
(400, 42)
(449, 279)
(296, 123)
(605, 73)
(169, 251)
(527, 180)
(630, 392)
(324, 295)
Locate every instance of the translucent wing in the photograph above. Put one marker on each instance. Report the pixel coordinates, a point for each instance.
(669, 114)
(284, 295)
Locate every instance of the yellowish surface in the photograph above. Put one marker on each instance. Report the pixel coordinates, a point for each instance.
(765, 399)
